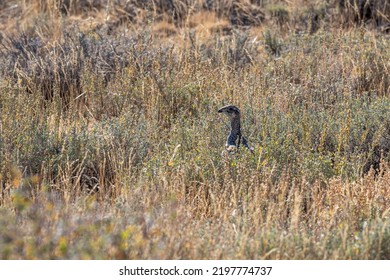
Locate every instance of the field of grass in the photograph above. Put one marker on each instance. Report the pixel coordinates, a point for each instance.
(110, 140)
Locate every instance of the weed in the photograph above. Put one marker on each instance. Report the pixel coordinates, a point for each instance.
(110, 143)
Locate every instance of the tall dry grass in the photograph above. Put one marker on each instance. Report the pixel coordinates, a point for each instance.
(110, 144)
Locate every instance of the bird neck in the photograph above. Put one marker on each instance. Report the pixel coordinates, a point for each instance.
(235, 131)
(235, 125)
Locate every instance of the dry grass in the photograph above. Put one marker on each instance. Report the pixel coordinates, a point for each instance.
(164, 29)
(110, 144)
(206, 24)
(165, 221)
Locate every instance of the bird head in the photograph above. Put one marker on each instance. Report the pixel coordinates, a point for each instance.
(230, 110)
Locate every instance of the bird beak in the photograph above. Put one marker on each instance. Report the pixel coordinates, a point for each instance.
(220, 110)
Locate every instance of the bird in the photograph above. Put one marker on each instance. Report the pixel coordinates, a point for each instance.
(234, 138)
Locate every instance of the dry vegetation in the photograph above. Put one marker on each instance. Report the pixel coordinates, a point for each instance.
(110, 144)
